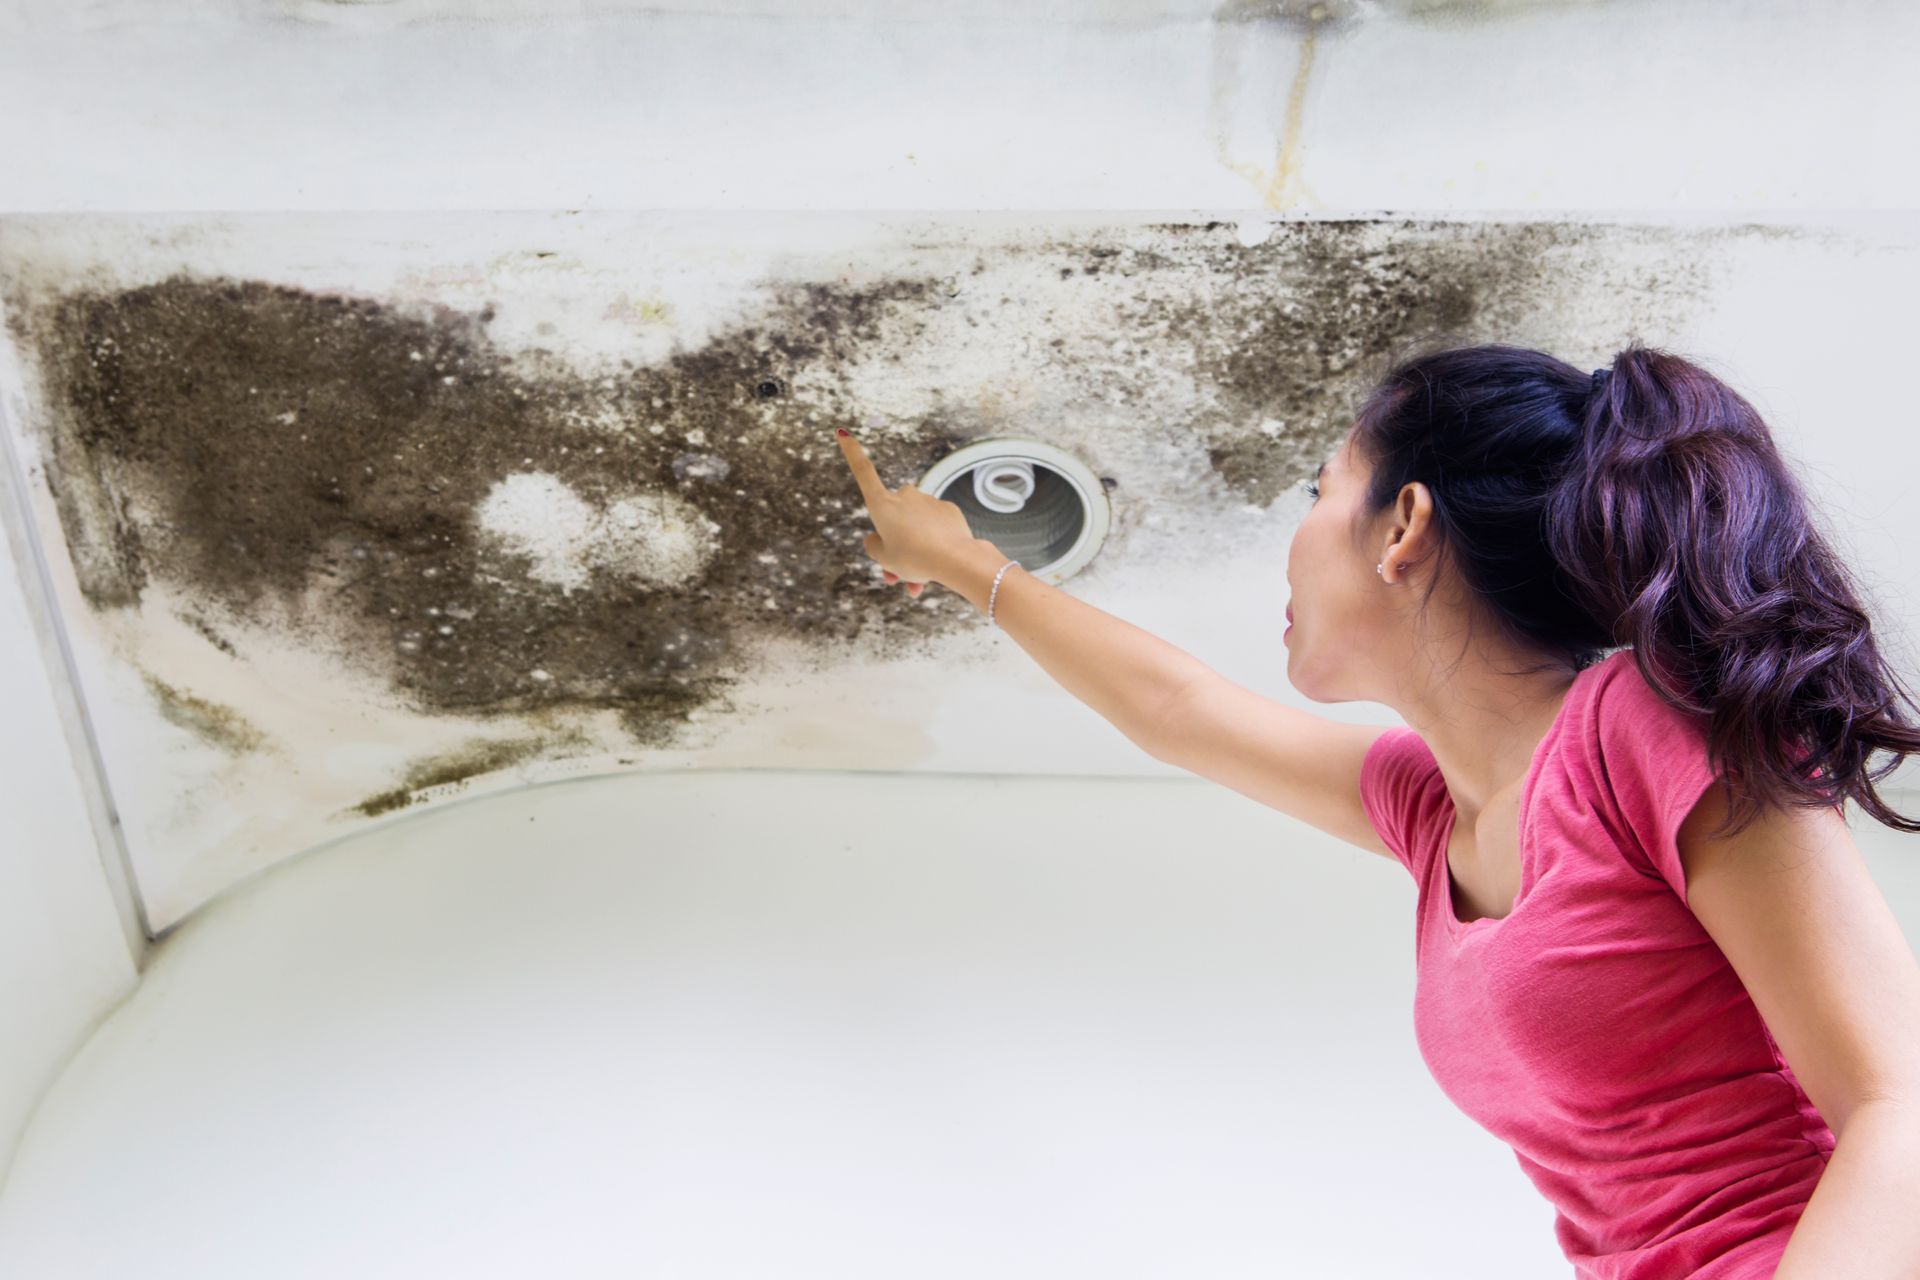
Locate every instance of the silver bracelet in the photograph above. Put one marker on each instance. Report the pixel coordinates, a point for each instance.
(996, 591)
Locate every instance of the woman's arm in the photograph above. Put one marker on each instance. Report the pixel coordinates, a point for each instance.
(1128, 675)
(1861, 1222)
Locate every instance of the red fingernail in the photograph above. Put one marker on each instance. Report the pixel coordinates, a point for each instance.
(840, 430)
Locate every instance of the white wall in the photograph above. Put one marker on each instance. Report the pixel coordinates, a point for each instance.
(997, 104)
(66, 955)
(1732, 107)
(748, 1023)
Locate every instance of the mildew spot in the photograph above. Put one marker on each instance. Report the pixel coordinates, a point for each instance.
(211, 636)
(498, 533)
(222, 726)
(482, 756)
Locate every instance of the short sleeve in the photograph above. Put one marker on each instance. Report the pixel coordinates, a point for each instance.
(1399, 779)
(1654, 756)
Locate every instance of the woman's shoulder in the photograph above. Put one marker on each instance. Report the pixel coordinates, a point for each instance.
(1402, 792)
(1653, 762)
(1628, 711)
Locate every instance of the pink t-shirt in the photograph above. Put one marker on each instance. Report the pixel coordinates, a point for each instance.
(1597, 1029)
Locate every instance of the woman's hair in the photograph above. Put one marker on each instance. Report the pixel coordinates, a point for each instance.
(1648, 507)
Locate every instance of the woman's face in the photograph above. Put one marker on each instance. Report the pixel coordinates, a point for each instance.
(1345, 625)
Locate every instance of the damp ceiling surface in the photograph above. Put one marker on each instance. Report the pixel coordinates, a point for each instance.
(350, 513)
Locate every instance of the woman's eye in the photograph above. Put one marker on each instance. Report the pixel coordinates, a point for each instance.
(1313, 490)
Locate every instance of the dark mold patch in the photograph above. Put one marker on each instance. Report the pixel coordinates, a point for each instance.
(222, 726)
(245, 439)
(208, 633)
(1311, 316)
(256, 444)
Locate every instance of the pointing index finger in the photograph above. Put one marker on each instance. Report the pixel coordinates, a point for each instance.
(872, 488)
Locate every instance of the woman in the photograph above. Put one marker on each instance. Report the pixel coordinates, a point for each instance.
(1650, 957)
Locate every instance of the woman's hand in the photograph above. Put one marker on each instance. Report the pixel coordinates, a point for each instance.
(916, 535)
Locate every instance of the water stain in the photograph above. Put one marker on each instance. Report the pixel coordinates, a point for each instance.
(1240, 25)
(1284, 186)
(493, 533)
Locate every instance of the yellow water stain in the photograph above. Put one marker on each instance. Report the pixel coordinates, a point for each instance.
(640, 310)
(1283, 187)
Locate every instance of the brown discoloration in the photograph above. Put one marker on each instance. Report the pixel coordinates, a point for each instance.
(257, 444)
(457, 766)
(222, 726)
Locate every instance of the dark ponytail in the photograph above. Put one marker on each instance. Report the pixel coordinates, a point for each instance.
(1646, 506)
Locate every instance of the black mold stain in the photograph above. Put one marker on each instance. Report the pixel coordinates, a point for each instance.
(285, 436)
(1338, 301)
(212, 636)
(255, 443)
(222, 726)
